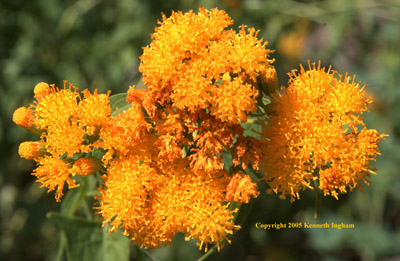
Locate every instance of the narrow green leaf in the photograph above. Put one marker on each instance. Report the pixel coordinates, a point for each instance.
(244, 211)
(266, 100)
(73, 199)
(118, 101)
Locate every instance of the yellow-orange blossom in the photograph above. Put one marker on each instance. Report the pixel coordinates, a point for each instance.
(202, 82)
(162, 162)
(314, 134)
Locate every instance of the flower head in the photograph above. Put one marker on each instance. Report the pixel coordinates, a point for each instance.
(57, 108)
(196, 63)
(94, 111)
(68, 124)
(313, 134)
(124, 133)
(153, 201)
(53, 173)
(241, 188)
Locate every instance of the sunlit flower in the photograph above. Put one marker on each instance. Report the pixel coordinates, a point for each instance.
(57, 108)
(53, 173)
(313, 134)
(241, 188)
(196, 63)
(124, 133)
(127, 198)
(94, 111)
(66, 122)
(65, 138)
(153, 201)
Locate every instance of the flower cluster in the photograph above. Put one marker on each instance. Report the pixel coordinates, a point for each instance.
(66, 121)
(314, 135)
(161, 153)
(162, 156)
(165, 153)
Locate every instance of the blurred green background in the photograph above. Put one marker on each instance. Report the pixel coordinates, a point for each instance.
(97, 44)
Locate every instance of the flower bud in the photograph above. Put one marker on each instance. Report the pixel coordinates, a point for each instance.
(31, 150)
(269, 80)
(86, 166)
(41, 90)
(25, 118)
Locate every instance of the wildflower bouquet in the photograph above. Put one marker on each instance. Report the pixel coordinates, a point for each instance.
(183, 155)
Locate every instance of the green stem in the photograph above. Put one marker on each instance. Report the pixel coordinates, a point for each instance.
(317, 203)
(87, 210)
(318, 195)
(208, 254)
(61, 246)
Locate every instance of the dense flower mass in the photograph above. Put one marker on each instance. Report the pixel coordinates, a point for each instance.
(65, 120)
(201, 83)
(174, 157)
(162, 151)
(195, 63)
(314, 135)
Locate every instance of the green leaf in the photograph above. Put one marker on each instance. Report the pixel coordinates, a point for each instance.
(88, 241)
(250, 127)
(73, 199)
(266, 100)
(98, 153)
(118, 101)
(185, 151)
(244, 211)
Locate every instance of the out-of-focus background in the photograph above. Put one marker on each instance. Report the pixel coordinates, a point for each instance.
(96, 45)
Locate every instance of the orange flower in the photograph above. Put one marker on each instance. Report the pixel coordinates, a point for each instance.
(65, 138)
(153, 201)
(241, 188)
(171, 130)
(124, 133)
(66, 127)
(127, 198)
(234, 100)
(57, 108)
(196, 64)
(212, 139)
(313, 134)
(53, 173)
(135, 95)
(94, 111)
(248, 150)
